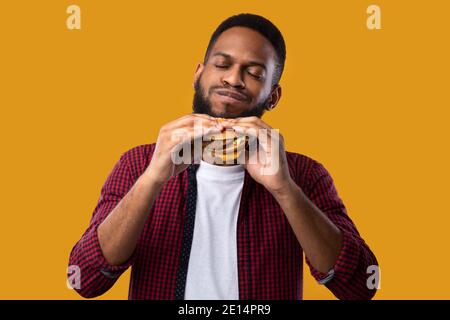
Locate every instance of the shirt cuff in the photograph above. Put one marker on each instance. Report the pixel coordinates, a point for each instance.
(345, 265)
(97, 260)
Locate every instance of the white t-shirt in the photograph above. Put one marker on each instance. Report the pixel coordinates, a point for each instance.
(212, 271)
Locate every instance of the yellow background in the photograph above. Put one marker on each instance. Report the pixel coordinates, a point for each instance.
(372, 106)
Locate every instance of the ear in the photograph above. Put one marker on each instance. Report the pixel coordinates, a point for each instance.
(275, 97)
(198, 72)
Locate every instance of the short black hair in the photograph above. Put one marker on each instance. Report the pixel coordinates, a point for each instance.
(261, 25)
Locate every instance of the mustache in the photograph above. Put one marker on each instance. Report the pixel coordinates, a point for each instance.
(241, 95)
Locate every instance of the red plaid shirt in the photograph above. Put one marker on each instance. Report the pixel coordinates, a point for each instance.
(270, 259)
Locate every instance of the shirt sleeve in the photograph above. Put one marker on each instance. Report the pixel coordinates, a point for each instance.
(348, 278)
(96, 274)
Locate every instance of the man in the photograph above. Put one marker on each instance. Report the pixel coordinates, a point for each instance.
(223, 231)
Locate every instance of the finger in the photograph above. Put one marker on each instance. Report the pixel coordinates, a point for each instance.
(188, 134)
(264, 137)
(255, 120)
(202, 115)
(208, 117)
(227, 124)
(190, 121)
(250, 129)
(189, 139)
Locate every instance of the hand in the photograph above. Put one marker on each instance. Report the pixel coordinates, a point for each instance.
(175, 136)
(266, 163)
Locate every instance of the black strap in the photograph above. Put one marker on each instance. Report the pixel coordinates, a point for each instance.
(188, 232)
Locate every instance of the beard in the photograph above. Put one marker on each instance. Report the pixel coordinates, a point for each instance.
(203, 106)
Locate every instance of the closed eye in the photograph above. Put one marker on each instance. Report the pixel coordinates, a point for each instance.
(257, 77)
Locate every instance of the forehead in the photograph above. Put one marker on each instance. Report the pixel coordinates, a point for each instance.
(246, 44)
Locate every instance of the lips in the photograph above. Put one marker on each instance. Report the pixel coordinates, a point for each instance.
(233, 95)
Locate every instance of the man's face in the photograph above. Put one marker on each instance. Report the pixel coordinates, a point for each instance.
(236, 79)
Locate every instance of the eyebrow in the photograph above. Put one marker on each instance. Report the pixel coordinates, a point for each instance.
(253, 63)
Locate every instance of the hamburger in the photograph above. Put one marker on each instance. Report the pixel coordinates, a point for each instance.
(224, 147)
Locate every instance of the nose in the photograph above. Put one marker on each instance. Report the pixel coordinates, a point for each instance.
(233, 78)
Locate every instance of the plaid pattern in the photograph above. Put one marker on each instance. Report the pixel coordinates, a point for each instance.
(270, 259)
